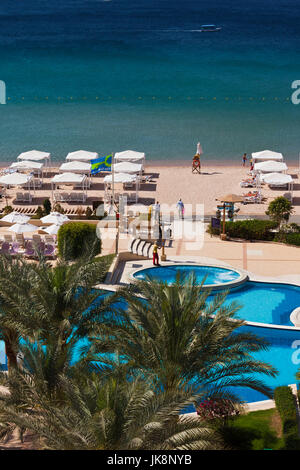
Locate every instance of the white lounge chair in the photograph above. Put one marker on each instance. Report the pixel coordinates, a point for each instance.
(19, 197)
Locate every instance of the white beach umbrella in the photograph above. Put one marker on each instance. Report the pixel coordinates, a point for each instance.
(277, 178)
(34, 155)
(27, 165)
(15, 179)
(52, 229)
(128, 167)
(22, 228)
(129, 156)
(15, 217)
(270, 166)
(267, 155)
(120, 178)
(55, 218)
(81, 156)
(199, 149)
(75, 165)
(69, 178)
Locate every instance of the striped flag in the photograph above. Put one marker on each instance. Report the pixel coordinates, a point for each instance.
(101, 164)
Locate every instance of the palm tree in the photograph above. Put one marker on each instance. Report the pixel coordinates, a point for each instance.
(14, 322)
(102, 411)
(174, 334)
(45, 301)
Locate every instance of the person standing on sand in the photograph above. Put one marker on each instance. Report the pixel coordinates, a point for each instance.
(180, 207)
(155, 255)
(244, 159)
(156, 208)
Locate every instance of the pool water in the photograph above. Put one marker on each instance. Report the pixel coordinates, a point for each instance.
(264, 302)
(213, 275)
(283, 354)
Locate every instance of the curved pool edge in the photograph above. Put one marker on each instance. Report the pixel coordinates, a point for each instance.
(243, 276)
(114, 288)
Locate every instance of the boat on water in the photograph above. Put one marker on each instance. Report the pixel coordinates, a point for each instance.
(209, 28)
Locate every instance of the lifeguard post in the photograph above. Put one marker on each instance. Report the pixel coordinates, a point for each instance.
(196, 165)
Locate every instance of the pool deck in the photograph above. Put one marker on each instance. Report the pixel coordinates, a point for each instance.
(262, 261)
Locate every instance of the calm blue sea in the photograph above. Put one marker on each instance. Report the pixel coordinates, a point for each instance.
(136, 74)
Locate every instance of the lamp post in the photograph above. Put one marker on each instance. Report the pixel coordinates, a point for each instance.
(223, 234)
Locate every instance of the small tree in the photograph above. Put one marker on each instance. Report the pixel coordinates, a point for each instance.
(47, 206)
(58, 208)
(280, 210)
(88, 212)
(7, 210)
(39, 212)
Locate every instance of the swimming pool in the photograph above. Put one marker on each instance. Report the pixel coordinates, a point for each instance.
(262, 302)
(213, 275)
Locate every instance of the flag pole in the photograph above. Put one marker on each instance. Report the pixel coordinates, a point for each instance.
(113, 178)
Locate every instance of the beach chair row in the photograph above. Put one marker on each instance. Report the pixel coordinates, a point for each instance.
(23, 197)
(69, 197)
(18, 237)
(131, 197)
(29, 249)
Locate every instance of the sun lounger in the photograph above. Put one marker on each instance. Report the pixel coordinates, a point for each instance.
(19, 197)
(251, 199)
(5, 248)
(20, 238)
(8, 238)
(15, 249)
(36, 238)
(27, 197)
(128, 185)
(29, 250)
(49, 239)
(131, 197)
(49, 251)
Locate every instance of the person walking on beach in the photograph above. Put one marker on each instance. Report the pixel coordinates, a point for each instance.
(156, 208)
(155, 255)
(180, 207)
(244, 159)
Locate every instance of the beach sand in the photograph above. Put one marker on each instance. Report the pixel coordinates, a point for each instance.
(215, 181)
(171, 182)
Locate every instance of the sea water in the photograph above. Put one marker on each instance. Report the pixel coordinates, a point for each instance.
(137, 74)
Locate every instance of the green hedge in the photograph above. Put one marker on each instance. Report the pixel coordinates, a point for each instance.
(249, 229)
(292, 239)
(77, 239)
(285, 404)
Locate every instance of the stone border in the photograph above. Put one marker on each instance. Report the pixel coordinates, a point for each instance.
(214, 287)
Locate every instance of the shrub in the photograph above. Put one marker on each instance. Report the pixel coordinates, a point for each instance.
(39, 213)
(217, 409)
(286, 406)
(77, 239)
(7, 210)
(292, 239)
(249, 229)
(47, 206)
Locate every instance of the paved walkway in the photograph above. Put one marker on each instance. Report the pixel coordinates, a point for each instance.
(260, 258)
